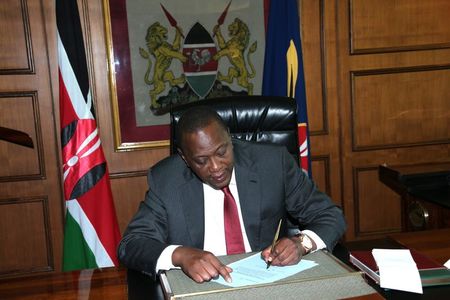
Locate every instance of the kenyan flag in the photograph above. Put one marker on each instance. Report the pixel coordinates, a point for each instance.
(91, 232)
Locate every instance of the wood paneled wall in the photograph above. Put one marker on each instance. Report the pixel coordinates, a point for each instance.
(31, 211)
(378, 80)
(394, 84)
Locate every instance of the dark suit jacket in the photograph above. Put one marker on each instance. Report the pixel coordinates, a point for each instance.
(270, 184)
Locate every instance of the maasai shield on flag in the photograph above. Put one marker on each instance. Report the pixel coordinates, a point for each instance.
(91, 232)
(283, 67)
(200, 69)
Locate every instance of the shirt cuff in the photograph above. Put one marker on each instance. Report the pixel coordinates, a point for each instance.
(165, 259)
(312, 235)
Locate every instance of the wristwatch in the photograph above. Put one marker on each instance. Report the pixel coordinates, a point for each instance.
(306, 242)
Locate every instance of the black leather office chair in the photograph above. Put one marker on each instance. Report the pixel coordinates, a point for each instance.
(264, 119)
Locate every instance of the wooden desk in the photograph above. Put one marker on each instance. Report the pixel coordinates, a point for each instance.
(108, 283)
(425, 194)
(105, 284)
(433, 243)
(119, 283)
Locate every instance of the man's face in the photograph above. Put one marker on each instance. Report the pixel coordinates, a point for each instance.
(209, 154)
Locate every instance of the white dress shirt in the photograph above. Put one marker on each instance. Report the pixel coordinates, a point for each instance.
(214, 240)
(214, 220)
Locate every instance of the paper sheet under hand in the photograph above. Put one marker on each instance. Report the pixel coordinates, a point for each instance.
(253, 270)
(398, 270)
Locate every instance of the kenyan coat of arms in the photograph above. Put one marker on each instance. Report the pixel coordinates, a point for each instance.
(200, 52)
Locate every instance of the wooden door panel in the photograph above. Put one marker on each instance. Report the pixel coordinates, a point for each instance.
(379, 26)
(18, 111)
(393, 79)
(400, 107)
(313, 47)
(377, 208)
(128, 191)
(25, 236)
(31, 205)
(15, 47)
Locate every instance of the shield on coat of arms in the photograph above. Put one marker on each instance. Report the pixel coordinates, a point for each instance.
(200, 69)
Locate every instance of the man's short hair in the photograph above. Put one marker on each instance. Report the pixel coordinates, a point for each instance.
(196, 118)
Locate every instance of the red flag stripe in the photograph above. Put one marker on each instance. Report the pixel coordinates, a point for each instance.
(303, 146)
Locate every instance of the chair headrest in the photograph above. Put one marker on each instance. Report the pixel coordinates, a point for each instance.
(253, 118)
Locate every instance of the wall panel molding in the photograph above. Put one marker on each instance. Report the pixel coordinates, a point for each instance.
(400, 107)
(376, 207)
(16, 48)
(24, 163)
(312, 40)
(35, 253)
(130, 174)
(381, 26)
(321, 163)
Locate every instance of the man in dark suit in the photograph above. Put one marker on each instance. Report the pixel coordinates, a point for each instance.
(181, 221)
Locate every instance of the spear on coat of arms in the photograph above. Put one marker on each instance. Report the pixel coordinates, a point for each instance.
(172, 20)
(222, 17)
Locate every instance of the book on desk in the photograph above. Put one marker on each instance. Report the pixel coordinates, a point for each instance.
(431, 273)
(329, 279)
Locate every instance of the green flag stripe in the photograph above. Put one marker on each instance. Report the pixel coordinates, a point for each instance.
(77, 254)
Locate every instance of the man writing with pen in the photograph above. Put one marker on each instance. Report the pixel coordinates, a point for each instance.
(221, 196)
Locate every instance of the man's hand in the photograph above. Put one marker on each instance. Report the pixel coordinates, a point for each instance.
(200, 265)
(287, 251)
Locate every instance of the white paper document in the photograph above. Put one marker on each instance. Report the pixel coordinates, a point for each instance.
(253, 270)
(447, 264)
(398, 270)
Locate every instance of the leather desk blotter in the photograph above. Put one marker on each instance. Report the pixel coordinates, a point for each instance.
(330, 279)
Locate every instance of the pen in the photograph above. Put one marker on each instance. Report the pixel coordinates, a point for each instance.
(275, 238)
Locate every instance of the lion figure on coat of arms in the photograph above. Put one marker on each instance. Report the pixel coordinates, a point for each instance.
(234, 50)
(163, 53)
